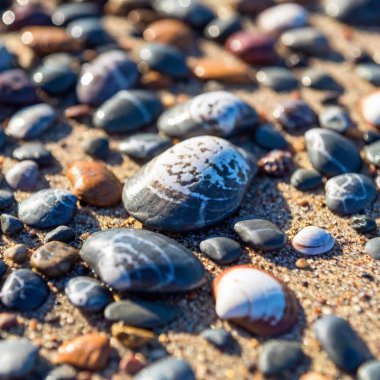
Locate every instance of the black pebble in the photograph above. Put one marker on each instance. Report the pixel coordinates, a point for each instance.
(363, 224)
(34, 151)
(63, 234)
(220, 29)
(219, 338)
(3, 268)
(222, 250)
(305, 179)
(370, 136)
(268, 137)
(97, 147)
(6, 199)
(10, 225)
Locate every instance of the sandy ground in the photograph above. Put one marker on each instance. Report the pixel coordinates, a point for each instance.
(344, 282)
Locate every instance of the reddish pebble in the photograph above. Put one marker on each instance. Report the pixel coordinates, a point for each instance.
(7, 320)
(132, 363)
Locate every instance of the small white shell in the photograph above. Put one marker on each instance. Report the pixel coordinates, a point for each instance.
(313, 241)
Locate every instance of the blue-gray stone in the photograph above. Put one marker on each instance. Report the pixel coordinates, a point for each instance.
(320, 80)
(219, 338)
(306, 179)
(23, 176)
(63, 372)
(66, 13)
(219, 29)
(89, 31)
(97, 147)
(61, 233)
(6, 58)
(34, 151)
(370, 72)
(372, 248)
(278, 79)
(222, 250)
(3, 268)
(268, 137)
(6, 199)
(369, 370)
(372, 153)
(10, 225)
(335, 118)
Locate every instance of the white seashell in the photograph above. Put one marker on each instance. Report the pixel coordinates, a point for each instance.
(313, 241)
(370, 108)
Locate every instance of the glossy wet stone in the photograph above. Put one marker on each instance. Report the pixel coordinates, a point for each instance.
(87, 294)
(276, 163)
(10, 225)
(278, 356)
(144, 146)
(23, 290)
(330, 153)
(169, 194)
(369, 370)
(6, 58)
(54, 259)
(62, 233)
(306, 179)
(372, 153)
(31, 122)
(277, 78)
(97, 147)
(363, 224)
(128, 111)
(142, 261)
(140, 313)
(165, 59)
(18, 357)
(16, 88)
(34, 151)
(23, 176)
(335, 118)
(222, 250)
(372, 248)
(219, 29)
(168, 369)
(103, 77)
(219, 338)
(66, 13)
(369, 72)
(93, 183)
(295, 115)
(349, 193)
(219, 113)
(341, 343)
(320, 80)
(268, 137)
(48, 208)
(253, 47)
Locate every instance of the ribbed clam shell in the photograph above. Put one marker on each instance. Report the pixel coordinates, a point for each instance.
(255, 300)
(218, 113)
(313, 240)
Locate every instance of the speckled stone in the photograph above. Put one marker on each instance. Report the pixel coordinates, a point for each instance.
(23, 290)
(320, 80)
(370, 108)
(6, 199)
(10, 225)
(343, 346)
(219, 29)
(276, 163)
(62, 233)
(349, 193)
(66, 13)
(306, 179)
(260, 234)
(369, 370)
(169, 194)
(369, 72)
(222, 250)
(277, 78)
(87, 294)
(97, 147)
(363, 224)
(142, 261)
(23, 176)
(330, 153)
(335, 118)
(48, 208)
(219, 338)
(372, 248)
(268, 137)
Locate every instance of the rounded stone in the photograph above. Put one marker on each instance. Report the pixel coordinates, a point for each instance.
(219, 338)
(363, 224)
(268, 137)
(306, 179)
(369, 370)
(349, 193)
(6, 199)
(62, 233)
(313, 240)
(87, 294)
(23, 176)
(10, 225)
(34, 151)
(372, 153)
(142, 261)
(336, 118)
(320, 80)
(48, 208)
(97, 147)
(62, 372)
(66, 13)
(222, 250)
(23, 290)
(369, 72)
(17, 253)
(276, 163)
(370, 108)
(219, 29)
(372, 248)
(370, 136)
(169, 194)
(278, 79)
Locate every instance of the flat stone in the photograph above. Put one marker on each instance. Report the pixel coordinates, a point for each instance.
(23, 176)
(34, 151)
(336, 118)
(349, 193)
(222, 250)
(62, 233)
(10, 225)
(23, 290)
(372, 248)
(277, 78)
(97, 147)
(219, 29)
(341, 343)
(305, 179)
(260, 234)
(87, 294)
(268, 137)
(93, 183)
(370, 108)
(142, 261)
(66, 13)
(369, 370)
(6, 199)
(17, 253)
(219, 338)
(54, 259)
(48, 208)
(369, 72)
(363, 224)
(320, 80)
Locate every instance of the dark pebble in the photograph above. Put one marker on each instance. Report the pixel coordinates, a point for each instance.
(369, 370)
(306, 179)
(222, 250)
(10, 225)
(97, 147)
(372, 248)
(34, 151)
(320, 80)
(220, 29)
(268, 137)
(219, 338)
(3, 268)
(372, 153)
(66, 13)
(370, 136)
(370, 72)
(6, 58)
(17, 253)
(277, 78)
(63, 234)
(276, 163)
(335, 118)
(6, 199)
(363, 224)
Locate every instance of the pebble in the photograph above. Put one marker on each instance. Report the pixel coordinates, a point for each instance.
(372, 153)
(219, 338)
(313, 240)
(222, 250)
(89, 352)
(66, 13)
(87, 294)
(219, 29)
(164, 59)
(10, 225)
(369, 72)
(372, 248)
(3, 270)
(370, 136)
(253, 47)
(370, 108)
(54, 259)
(140, 313)
(282, 17)
(260, 234)
(278, 79)
(268, 137)
(8, 320)
(48, 208)
(255, 300)
(330, 153)
(63, 234)
(23, 290)
(132, 363)
(6, 58)
(320, 80)
(18, 357)
(252, 8)
(349, 193)
(62, 372)
(306, 179)
(219, 113)
(144, 146)
(6, 199)
(369, 370)
(336, 118)
(23, 176)
(34, 151)
(167, 369)
(97, 147)
(31, 122)
(278, 356)
(169, 194)
(363, 224)
(17, 253)
(128, 111)
(142, 261)
(341, 343)
(103, 77)
(276, 163)
(132, 337)
(93, 183)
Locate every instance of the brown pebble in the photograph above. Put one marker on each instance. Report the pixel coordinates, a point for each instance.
(94, 184)
(7, 320)
(17, 253)
(156, 80)
(78, 111)
(302, 264)
(132, 363)
(141, 18)
(90, 352)
(277, 163)
(132, 337)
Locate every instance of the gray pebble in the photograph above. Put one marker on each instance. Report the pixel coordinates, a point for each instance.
(372, 248)
(369, 370)
(62, 233)
(6, 199)
(219, 338)
(23, 176)
(222, 250)
(277, 78)
(63, 372)
(10, 225)
(306, 179)
(335, 118)
(34, 151)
